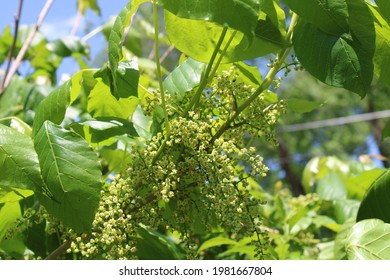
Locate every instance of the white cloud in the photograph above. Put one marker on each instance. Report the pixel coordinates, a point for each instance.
(60, 28)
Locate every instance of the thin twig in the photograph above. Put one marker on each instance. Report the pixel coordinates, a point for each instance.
(13, 46)
(59, 251)
(27, 44)
(76, 23)
(166, 53)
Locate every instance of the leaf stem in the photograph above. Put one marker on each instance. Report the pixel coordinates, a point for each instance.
(215, 68)
(264, 85)
(159, 77)
(205, 75)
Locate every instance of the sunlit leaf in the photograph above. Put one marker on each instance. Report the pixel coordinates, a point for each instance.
(198, 40)
(18, 161)
(216, 241)
(83, 5)
(184, 78)
(72, 172)
(53, 108)
(223, 12)
(369, 240)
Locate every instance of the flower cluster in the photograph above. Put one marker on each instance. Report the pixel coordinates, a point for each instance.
(187, 182)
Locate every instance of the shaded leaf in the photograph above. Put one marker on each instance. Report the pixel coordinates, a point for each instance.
(369, 240)
(152, 245)
(329, 16)
(72, 173)
(376, 202)
(341, 58)
(127, 79)
(384, 9)
(18, 161)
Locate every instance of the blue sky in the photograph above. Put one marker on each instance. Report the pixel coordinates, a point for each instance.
(60, 15)
(60, 19)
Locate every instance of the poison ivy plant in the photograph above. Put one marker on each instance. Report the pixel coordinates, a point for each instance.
(145, 158)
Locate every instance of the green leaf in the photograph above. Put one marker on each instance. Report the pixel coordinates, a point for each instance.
(101, 103)
(384, 9)
(340, 252)
(21, 94)
(9, 213)
(318, 167)
(345, 209)
(15, 195)
(343, 58)
(127, 79)
(103, 128)
(376, 202)
(53, 108)
(330, 16)
(223, 12)
(18, 161)
(197, 39)
(386, 131)
(6, 39)
(326, 250)
(382, 52)
(83, 5)
(67, 46)
(331, 187)
(274, 13)
(247, 74)
(369, 240)
(153, 245)
(115, 42)
(303, 106)
(184, 78)
(72, 173)
(216, 241)
(142, 123)
(358, 185)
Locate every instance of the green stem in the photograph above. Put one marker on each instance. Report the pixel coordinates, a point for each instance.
(159, 76)
(215, 68)
(205, 76)
(264, 85)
